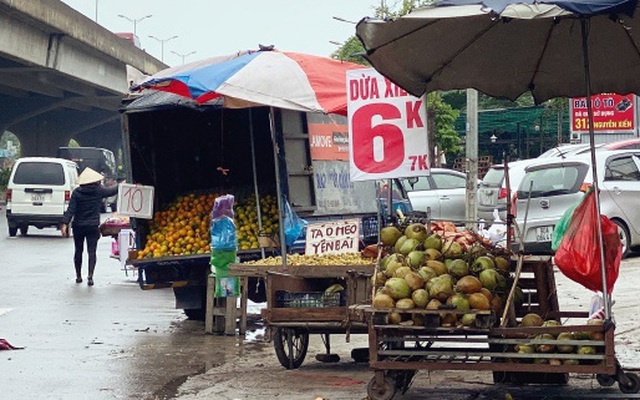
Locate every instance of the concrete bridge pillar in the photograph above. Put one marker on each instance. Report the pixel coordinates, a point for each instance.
(41, 142)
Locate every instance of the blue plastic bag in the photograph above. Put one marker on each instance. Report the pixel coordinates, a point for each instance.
(223, 229)
(293, 224)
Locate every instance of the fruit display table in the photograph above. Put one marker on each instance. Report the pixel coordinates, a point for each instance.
(515, 352)
(299, 303)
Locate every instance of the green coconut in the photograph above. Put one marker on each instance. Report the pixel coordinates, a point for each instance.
(468, 284)
(458, 268)
(416, 231)
(502, 265)
(420, 297)
(397, 288)
(565, 348)
(409, 245)
(427, 273)
(433, 242)
(459, 301)
(392, 265)
(415, 259)
(405, 304)
(382, 301)
(414, 280)
(441, 288)
(489, 278)
(399, 243)
(402, 271)
(438, 267)
(389, 235)
(468, 319)
(432, 254)
(481, 263)
(451, 249)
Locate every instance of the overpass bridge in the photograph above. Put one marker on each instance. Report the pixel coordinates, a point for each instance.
(62, 76)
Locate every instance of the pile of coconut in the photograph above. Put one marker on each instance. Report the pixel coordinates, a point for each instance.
(441, 268)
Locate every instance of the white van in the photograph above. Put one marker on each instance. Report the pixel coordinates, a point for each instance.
(38, 192)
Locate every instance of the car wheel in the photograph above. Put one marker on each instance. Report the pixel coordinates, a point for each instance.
(114, 207)
(13, 231)
(24, 229)
(625, 239)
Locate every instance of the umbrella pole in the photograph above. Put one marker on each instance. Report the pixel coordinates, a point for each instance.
(255, 179)
(587, 76)
(276, 159)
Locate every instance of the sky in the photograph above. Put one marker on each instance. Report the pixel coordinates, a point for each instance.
(219, 27)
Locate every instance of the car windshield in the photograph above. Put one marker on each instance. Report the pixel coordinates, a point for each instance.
(493, 177)
(39, 173)
(552, 181)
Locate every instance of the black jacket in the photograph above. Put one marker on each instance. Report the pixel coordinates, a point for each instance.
(85, 204)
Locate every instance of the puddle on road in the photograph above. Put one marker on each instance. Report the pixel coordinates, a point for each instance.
(167, 359)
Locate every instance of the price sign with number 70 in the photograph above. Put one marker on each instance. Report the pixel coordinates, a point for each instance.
(135, 200)
(387, 129)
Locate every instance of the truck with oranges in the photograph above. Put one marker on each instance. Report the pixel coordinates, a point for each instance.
(191, 154)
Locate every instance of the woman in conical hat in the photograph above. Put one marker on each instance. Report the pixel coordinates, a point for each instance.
(84, 210)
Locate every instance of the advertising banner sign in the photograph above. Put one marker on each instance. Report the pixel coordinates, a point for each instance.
(612, 113)
(387, 129)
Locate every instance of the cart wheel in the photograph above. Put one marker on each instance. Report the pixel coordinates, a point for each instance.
(605, 380)
(291, 346)
(632, 384)
(384, 392)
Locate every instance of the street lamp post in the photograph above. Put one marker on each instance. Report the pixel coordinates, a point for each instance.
(135, 21)
(183, 55)
(162, 42)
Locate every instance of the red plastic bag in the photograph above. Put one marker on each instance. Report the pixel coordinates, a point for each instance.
(578, 256)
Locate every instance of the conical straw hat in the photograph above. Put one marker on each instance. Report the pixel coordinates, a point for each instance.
(89, 176)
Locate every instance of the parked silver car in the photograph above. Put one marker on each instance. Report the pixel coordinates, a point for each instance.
(551, 186)
(443, 191)
(492, 192)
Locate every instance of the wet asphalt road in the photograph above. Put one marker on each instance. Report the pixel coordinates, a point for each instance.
(109, 341)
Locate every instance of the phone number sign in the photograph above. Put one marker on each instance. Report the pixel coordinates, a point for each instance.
(387, 128)
(611, 113)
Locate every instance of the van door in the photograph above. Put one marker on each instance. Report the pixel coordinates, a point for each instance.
(38, 188)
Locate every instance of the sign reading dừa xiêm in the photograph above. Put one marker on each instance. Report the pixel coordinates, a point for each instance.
(333, 237)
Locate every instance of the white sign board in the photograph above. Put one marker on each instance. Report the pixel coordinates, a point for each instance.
(387, 128)
(135, 200)
(333, 237)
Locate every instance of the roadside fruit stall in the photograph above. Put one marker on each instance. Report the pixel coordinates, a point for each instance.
(449, 300)
(193, 155)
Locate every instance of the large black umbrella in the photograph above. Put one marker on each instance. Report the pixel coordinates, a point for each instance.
(556, 48)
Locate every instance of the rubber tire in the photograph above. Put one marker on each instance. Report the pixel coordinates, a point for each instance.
(633, 386)
(13, 231)
(384, 393)
(605, 380)
(24, 229)
(625, 238)
(281, 346)
(113, 207)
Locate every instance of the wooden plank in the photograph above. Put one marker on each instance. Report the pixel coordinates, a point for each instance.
(306, 271)
(308, 314)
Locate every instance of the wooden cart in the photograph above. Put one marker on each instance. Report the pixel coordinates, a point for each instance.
(298, 306)
(397, 352)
